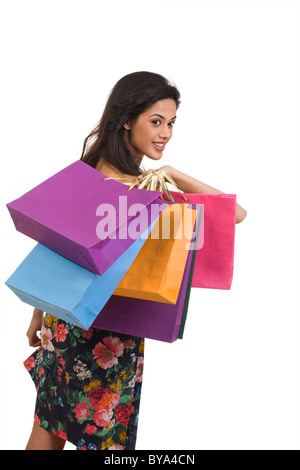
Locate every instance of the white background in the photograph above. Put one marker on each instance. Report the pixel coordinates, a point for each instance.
(233, 381)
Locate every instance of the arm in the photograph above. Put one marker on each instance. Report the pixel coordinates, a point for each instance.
(34, 327)
(187, 184)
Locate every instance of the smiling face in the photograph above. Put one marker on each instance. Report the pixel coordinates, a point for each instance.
(149, 134)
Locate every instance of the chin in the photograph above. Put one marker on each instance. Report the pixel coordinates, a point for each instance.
(154, 157)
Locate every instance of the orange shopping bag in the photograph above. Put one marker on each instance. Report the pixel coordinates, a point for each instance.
(156, 273)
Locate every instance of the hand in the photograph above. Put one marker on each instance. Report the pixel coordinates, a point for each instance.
(35, 326)
(142, 176)
(145, 173)
(168, 169)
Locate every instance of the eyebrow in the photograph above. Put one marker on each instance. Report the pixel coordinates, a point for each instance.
(162, 116)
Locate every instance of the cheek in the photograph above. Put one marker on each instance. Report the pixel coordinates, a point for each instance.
(150, 134)
(145, 135)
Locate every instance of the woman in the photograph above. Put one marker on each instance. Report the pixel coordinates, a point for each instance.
(89, 382)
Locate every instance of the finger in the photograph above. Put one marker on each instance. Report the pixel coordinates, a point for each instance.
(145, 173)
(34, 341)
(149, 172)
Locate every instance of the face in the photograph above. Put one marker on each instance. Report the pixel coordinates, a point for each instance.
(152, 130)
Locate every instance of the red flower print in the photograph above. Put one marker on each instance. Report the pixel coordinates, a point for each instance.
(29, 363)
(88, 383)
(37, 419)
(103, 417)
(90, 429)
(103, 398)
(61, 332)
(107, 354)
(129, 344)
(60, 369)
(123, 413)
(46, 337)
(140, 368)
(89, 333)
(61, 434)
(82, 410)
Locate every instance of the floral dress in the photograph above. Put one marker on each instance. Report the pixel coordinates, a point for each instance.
(88, 385)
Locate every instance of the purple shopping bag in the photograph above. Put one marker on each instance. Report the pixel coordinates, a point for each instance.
(80, 216)
(146, 318)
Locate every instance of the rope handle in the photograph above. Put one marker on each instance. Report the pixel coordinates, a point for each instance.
(157, 178)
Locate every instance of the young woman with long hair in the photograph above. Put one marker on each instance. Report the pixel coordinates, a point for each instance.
(89, 382)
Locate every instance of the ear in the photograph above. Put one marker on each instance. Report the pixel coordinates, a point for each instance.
(127, 125)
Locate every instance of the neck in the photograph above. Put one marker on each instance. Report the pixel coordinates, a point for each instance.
(110, 171)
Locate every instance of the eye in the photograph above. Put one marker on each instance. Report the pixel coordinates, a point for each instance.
(155, 121)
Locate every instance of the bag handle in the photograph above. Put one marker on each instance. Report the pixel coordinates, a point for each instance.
(152, 181)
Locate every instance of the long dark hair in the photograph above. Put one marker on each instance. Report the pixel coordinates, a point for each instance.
(130, 96)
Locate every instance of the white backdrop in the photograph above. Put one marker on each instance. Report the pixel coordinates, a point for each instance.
(233, 381)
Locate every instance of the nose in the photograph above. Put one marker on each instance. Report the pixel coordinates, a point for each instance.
(165, 132)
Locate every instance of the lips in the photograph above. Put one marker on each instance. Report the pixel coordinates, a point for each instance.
(159, 145)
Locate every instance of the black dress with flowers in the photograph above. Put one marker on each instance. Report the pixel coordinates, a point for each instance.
(88, 385)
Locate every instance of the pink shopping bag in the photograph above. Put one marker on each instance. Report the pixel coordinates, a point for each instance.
(215, 260)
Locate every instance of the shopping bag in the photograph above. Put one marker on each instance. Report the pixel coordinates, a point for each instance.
(198, 244)
(83, 217)
(144, 318)
(215, 260)
(157, 271)
(56, 285)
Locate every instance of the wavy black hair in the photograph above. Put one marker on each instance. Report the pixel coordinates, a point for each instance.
(130, 96)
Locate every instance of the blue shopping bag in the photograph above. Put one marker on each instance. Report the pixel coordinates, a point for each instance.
(56, 285)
